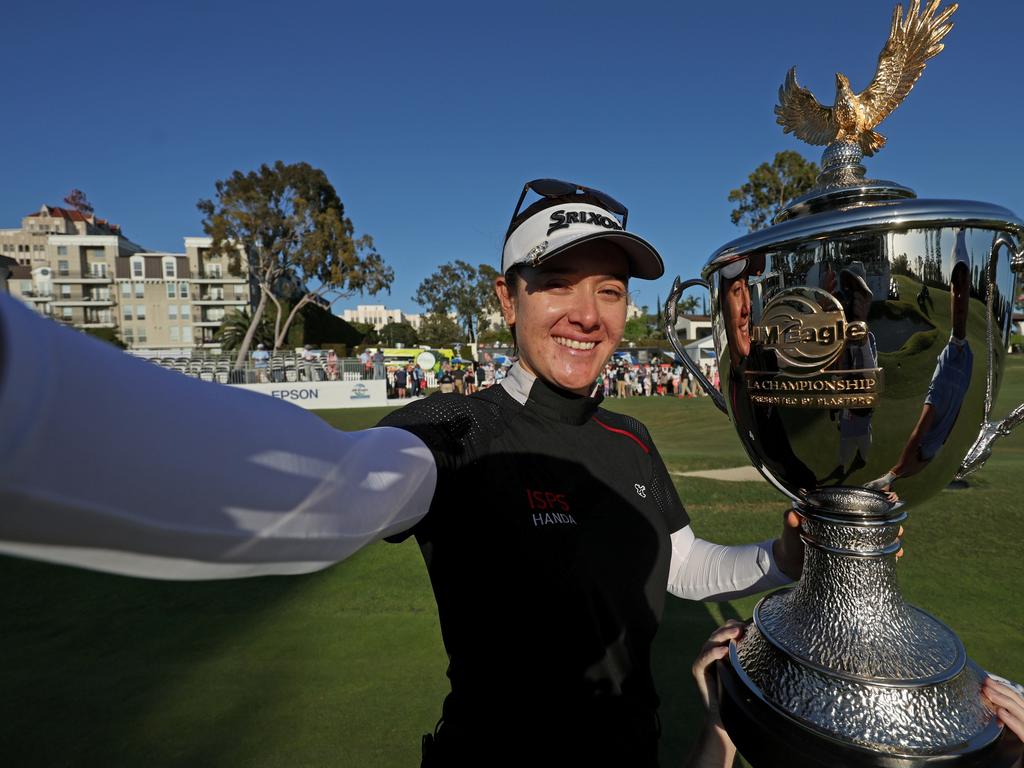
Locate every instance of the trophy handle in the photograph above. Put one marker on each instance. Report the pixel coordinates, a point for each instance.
(678, 286)
(979, 452)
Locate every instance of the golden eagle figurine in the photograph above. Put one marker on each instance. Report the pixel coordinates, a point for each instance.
(912, 41)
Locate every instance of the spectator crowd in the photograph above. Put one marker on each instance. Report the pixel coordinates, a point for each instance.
(619, 378)
(622, 379)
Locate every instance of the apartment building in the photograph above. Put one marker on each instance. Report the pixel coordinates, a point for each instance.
(27, 244)
(82, 271)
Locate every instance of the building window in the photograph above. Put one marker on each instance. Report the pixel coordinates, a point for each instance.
(128, 336)
(170, 267)
(138, 270)
(62, 269)
(126, 312)
(140, 290)
(26, 286)
(172, 311)
(175, 333)
(62, 250)
(65, 312)
(183, 290)
(186, 312)
(126, 290)
(142, 335)
(186, 335)
(65, 291)
(98, 270)
(238, 293)
(170, 290)
(140, 311)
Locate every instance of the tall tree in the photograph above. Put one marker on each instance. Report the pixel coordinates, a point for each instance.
(636, 329)
(688, 304)
(368, 332)
(461, 288)
(77, 201)
(770, 187)
(439, 330)
(398, 333)
(289, 225)
(236, 324)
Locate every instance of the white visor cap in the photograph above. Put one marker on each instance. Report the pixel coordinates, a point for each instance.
(554, 230)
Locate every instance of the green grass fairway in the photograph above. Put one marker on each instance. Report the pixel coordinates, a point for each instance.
(346, 668)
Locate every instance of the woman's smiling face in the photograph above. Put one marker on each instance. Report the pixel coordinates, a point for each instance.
(569, 313)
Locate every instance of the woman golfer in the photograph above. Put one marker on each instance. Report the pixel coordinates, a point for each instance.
(549, 599)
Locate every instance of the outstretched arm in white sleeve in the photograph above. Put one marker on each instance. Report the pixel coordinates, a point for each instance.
(112, 463)
(700, 570)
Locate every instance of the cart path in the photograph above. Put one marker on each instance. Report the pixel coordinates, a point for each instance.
(746, 474)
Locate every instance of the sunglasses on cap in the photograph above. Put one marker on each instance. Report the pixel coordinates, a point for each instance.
(557, 188)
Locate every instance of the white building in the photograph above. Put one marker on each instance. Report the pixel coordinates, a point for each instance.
(376, 315)
(690, 327)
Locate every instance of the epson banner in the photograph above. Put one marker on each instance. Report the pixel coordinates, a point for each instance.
(325, 394)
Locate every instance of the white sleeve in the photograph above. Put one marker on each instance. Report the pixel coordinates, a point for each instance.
(700, 570)
(112, 463)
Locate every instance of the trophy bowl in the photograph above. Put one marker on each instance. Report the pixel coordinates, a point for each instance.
(860, 348)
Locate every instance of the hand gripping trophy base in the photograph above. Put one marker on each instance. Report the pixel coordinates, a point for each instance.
(839, 670)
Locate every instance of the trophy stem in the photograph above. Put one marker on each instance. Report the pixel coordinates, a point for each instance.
(842, 662)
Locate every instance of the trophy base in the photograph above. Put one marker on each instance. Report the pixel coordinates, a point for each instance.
(769, 738)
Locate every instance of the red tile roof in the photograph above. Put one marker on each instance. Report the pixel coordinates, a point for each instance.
(62, 213)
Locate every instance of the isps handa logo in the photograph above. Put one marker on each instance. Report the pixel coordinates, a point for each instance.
(807, 329)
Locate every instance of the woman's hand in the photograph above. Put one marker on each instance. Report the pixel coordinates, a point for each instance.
(714, 748)
(717, 647)
(788, 549)
(1007, 704)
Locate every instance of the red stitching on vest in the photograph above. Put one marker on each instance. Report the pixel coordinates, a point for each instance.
(630, 435)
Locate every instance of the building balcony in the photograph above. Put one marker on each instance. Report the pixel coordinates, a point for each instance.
(83, 302)
(228, 279)
(34, 296)
(96, 324)
(83, 279)
(207, 323)
(211, 301)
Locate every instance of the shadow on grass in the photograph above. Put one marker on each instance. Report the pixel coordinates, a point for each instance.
(87, 657)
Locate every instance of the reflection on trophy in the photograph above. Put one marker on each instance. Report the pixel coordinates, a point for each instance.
(861, 342)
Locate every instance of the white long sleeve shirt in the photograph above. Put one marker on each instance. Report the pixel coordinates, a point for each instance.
(111, 463)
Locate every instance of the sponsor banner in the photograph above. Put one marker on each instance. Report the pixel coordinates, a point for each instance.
(316, 395)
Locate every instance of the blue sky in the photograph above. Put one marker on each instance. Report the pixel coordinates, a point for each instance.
(428, 117)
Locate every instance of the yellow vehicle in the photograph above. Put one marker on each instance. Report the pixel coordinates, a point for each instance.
(403, 355)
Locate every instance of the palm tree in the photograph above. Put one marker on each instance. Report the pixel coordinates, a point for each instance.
(235, 325)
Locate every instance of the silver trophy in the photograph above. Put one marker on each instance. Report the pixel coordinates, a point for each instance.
(860, 343)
